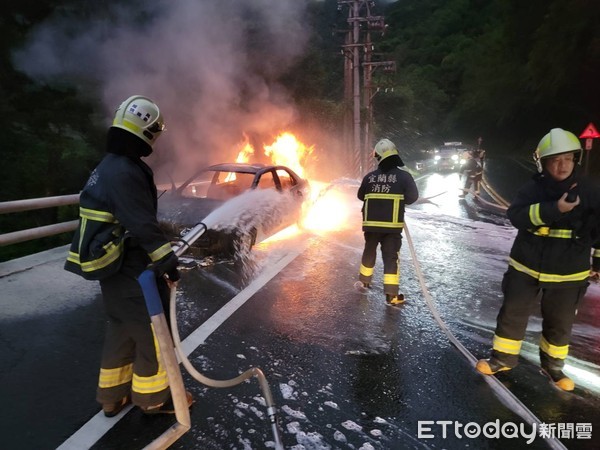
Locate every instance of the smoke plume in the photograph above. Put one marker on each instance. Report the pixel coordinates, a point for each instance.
(211, 66)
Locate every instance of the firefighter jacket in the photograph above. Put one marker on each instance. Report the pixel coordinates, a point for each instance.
(117, 209)
(554, 247)
(472, 168)
(385, 194)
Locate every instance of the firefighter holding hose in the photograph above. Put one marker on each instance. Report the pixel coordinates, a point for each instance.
(118, 238)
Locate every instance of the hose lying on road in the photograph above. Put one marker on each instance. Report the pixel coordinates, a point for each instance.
(503, 393)
(183, 244)
(252, 372)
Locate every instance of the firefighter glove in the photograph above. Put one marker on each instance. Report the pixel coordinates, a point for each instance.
(167, 265)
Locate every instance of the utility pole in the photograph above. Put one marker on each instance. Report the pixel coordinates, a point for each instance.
(358, 51)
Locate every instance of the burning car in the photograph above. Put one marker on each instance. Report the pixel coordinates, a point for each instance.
(240, 204)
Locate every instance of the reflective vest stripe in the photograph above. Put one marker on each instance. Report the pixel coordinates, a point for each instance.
(504, 345)
(114, 377)
(548, 277)
(534, 214)
(596, 253)
(554, 351)
(112, 254)
(396, 199)
(372, 223)
(160, 252)
(98, 216)
(553, 233)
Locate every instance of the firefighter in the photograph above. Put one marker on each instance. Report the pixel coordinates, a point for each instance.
(385, 192)
(472, 171)
(556, 215)
(117, 239)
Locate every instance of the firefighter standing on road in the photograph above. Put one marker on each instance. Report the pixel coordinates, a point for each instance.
(385, 192)
(557, 215)
(118, 238)
(472, 170)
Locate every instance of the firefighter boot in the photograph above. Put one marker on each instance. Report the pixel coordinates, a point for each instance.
(394, 300)
(167, 407)
(559, 379)
(362, 287)
(112, 409)
(490, 366)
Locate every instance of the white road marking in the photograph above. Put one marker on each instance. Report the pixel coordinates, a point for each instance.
(99, 425)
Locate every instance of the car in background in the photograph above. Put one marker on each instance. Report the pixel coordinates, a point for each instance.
(449, 157)
(254, 201)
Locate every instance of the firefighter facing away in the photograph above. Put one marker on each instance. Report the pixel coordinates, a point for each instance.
(117, 239)
(556, 214)
(385, 192)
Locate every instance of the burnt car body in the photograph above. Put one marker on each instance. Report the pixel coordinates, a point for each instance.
(254, 201)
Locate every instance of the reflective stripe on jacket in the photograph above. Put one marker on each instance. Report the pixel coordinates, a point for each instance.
(551, 246)
(385, 195)
(117, 212)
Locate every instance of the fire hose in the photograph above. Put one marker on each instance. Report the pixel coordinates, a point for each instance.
(503, 393)
(170, 339)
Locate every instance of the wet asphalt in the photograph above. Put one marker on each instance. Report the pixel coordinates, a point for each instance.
(345, 370)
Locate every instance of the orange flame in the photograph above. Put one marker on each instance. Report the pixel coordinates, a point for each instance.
(246, 151)
(289, 151)
(327, 209)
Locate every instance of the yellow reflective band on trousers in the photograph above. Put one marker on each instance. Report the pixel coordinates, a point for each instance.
(391, 278)
(505, 345)
(394, 223)
(160, 252)
(534, 214)
(555, 351)
(154, 383)
(548, 277)
(110, 378)
(366, 271)
(553, 233)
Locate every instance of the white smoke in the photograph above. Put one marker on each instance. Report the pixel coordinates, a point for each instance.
(210, 65)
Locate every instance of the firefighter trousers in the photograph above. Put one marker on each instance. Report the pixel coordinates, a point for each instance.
(390, 249)
(558, 309)
(130, 363)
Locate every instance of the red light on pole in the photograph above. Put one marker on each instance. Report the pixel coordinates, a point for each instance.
(590, 132)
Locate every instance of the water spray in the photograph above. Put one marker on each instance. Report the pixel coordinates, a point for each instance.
(171, 339)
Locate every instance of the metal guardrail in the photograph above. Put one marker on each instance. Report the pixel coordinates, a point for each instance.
(38, 232)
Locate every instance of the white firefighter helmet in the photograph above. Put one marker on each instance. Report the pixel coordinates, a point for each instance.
(556, 142)
(383, 149)
(140, 115)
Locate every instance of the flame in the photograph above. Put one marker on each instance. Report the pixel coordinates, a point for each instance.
(327, 210)
(246, 151)
(242, 157)
(289, 151)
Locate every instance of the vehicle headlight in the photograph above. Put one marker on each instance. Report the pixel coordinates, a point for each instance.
(437, 157)
(454, 157)
(462, 161)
